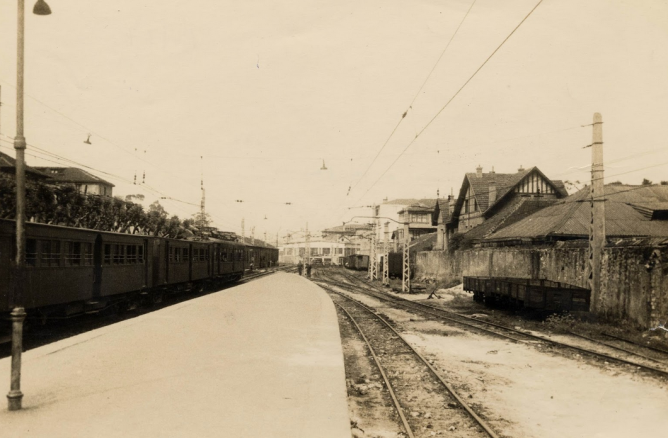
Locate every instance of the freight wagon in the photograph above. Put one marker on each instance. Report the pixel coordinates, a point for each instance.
(542, 295)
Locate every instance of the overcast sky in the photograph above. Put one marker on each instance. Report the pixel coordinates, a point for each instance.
(265, 91)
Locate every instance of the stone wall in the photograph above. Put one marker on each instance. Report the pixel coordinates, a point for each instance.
(634, 278)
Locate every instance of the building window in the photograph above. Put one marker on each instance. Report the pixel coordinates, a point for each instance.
(325, 251)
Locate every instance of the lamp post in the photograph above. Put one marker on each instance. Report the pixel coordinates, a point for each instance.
(18, 315)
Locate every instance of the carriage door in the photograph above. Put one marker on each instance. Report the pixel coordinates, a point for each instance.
(97, 269)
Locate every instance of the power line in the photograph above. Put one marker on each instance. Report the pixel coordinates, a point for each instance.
(451, 99)
(410, 106)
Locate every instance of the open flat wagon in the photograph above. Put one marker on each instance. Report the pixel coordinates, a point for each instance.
(542, 295)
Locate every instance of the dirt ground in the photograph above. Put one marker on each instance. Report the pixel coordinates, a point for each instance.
(523, 391)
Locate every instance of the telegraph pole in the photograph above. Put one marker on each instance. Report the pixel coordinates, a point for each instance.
(243, 230)
(597, 202)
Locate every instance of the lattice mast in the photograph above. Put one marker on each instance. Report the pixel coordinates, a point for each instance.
(386, 256)
(406, 271)
(307, 250)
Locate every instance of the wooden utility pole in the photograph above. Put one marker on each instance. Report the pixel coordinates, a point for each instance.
(597, 202)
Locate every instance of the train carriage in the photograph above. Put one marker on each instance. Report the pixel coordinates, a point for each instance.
(74, 270)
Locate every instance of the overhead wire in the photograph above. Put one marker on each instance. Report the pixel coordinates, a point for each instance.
(410, 106)
(451, 99)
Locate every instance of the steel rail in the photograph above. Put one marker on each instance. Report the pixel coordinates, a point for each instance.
(450, 389)
(397, 405)
(402, 302)
(649, 347)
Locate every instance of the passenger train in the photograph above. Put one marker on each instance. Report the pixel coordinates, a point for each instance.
(75, 270)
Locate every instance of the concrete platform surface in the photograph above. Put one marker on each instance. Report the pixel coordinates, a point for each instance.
(259, 360)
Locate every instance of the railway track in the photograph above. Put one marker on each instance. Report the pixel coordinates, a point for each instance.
(595, 348)
(411, 381)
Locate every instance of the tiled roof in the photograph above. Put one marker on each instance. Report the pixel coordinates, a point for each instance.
(510, 213)
(72, 175)
(7, 162)
(570, 217)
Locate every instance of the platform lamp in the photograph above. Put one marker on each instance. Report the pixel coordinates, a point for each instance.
(18, 315)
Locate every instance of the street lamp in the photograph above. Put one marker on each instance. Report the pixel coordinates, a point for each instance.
(18, 315)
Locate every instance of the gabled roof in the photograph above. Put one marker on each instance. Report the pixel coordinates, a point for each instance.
(72, 175)
(504, 183)
(441, 212)
(8, 163)
(570, 217)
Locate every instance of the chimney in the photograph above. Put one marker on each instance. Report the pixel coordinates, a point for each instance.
(478, 171)
(521, 169)
(492, 171)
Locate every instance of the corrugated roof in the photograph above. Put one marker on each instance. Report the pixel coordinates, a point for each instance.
(72, 175)
(571, 216)
(429, 202)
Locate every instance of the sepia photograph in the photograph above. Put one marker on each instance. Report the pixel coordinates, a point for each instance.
(334, 219)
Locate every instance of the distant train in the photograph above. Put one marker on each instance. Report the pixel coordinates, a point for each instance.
(541, 295)
(357, 261)
(75, 270)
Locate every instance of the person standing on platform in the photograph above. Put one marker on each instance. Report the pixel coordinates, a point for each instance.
(300, 267)
(308, 270)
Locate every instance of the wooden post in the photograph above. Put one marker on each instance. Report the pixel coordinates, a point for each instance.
(597, 201)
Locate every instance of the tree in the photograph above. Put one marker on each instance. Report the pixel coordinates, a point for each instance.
(201, 220)
(646, 182)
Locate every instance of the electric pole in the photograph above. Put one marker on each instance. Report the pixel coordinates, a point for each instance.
(386, 257)
(597, 201)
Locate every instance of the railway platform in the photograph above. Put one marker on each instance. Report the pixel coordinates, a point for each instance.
(262, 359)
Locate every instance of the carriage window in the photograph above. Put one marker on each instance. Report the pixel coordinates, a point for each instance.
(31, 252)
(171, 255)
(206, 254)
(73, 253)
(177, 255)
(186, 254)
(223, 254)
(107, 254)
(195, 254)
(140, 254)
(87, 253)
(131, 254)
(119, 254)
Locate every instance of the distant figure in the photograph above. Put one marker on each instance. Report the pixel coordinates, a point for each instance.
(300, 268)
(308, 270)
